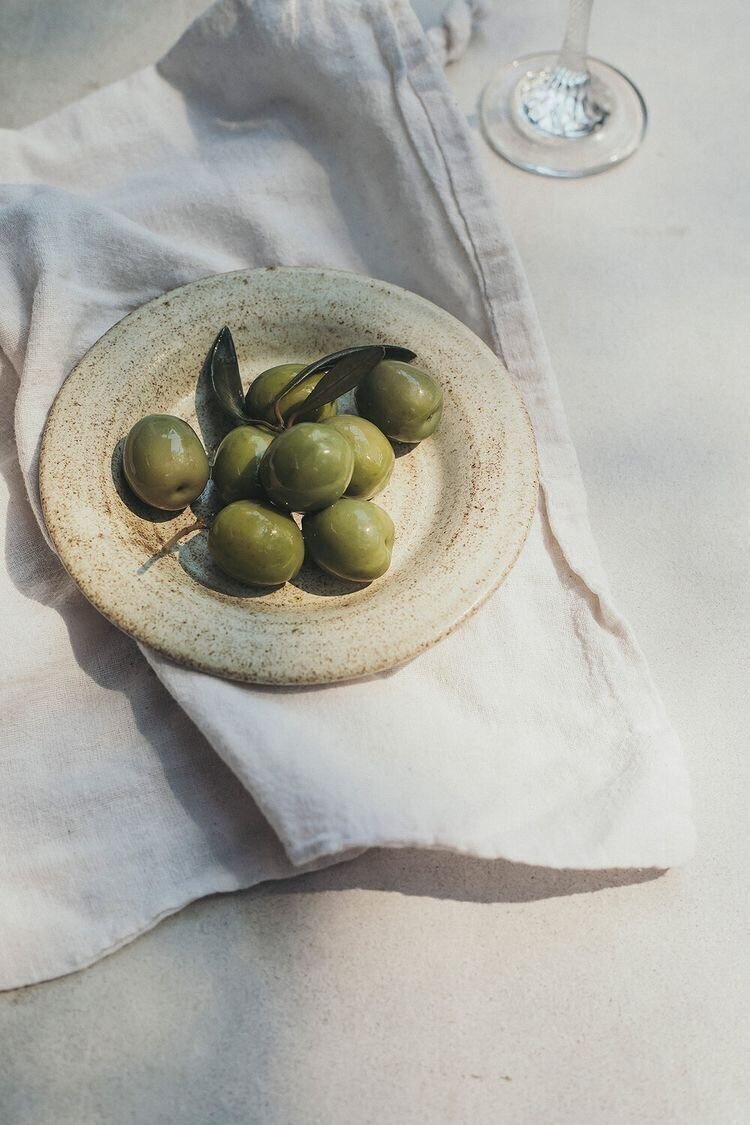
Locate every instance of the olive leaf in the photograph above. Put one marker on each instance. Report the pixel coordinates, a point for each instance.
(225, 375)
(224, 371)
(390, 351)
(342, 377)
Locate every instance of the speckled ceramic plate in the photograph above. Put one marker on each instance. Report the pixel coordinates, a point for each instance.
(462, 502)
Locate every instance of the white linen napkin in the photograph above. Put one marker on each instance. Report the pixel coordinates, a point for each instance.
(290, 133)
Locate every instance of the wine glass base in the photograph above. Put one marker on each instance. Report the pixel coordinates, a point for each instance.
(510, 131)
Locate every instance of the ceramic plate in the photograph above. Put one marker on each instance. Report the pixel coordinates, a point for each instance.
(462, 501)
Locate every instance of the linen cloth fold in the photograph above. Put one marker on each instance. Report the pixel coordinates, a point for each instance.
(285, 133)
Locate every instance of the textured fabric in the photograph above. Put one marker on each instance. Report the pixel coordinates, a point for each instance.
(450, 38)
(294, 134)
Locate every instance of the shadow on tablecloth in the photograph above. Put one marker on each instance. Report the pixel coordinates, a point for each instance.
(445, 875)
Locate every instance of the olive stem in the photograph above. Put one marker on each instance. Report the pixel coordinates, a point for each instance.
(199, 525)
(277, 412)
(264, 425)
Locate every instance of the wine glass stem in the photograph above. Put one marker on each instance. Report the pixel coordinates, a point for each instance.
(559, 101)
(573, 51)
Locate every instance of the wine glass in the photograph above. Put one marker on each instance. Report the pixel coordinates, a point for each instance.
(563, 114)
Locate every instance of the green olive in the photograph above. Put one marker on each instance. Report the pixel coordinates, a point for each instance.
(352, 539)
(307, 467)
(373, 455)
(164, 462)
(236, 464)
(267, 386)
(402, 401)
(256, 544)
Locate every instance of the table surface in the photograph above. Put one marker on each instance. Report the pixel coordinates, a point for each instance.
(420, 988)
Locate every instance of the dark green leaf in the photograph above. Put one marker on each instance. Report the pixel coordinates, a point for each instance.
(395, 351)
(342, 377)
(225, 375)
(391, 351)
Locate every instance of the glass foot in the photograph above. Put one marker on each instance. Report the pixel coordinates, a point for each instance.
(558, 122)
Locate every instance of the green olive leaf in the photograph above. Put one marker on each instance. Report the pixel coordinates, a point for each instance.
(225, 375)
(391, 351)
(342, 377)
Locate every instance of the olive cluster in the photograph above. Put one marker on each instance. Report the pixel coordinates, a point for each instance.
(326, 467)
